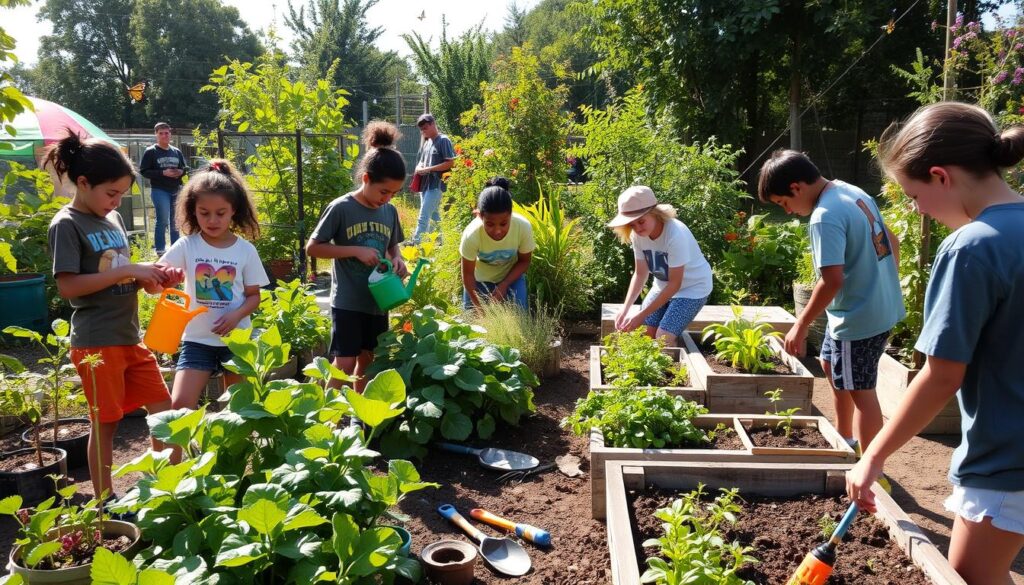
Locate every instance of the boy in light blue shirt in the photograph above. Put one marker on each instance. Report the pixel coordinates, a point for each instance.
(859, 289)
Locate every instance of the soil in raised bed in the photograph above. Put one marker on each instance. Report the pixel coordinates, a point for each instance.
(727, 441)
(25, 461)
(778, 367)
(117, 544)
(783, 530)
(801, 437)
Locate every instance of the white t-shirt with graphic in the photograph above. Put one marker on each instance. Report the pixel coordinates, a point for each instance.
(675, 247)
(215, 278)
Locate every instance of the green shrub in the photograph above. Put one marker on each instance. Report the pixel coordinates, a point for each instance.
(639, 418)
(763, 257)
(293, 310)
(456, 379)
(635, 359)
(742, 342)
(508, 325)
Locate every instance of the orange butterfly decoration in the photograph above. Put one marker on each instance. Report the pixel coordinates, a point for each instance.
(138, 92)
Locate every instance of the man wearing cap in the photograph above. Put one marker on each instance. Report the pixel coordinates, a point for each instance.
(434, 158)
(163, 165)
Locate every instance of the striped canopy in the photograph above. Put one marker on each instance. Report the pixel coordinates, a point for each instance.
(47, 124)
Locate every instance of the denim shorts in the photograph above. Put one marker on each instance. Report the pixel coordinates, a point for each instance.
(674, 316)
(1006, 509)
(854, 363)
(199, 356)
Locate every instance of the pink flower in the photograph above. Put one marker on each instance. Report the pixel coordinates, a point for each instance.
(1010, 33)
(999, 78)
(489, 152)
(1018, 76)
(935, 24)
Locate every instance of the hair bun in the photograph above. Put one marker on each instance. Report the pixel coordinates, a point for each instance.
(380, 134)
(498, 182)
(1008, 147)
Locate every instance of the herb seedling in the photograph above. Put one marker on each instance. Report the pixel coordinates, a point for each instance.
(828, 525)
(634, 359)
(786, 424)
(639, 418)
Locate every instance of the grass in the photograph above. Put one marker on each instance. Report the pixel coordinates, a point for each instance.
(530, 332)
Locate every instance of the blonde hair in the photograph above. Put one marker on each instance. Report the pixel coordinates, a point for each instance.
(662, 211)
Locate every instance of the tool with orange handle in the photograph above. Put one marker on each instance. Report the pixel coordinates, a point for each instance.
(817, 565)
(537, 536)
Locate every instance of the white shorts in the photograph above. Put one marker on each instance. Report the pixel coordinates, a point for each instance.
(1006, 509)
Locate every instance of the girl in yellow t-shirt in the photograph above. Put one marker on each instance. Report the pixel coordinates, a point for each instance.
(496, 249)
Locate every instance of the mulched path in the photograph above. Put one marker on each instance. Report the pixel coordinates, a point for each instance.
(783, 531)
(806, 438)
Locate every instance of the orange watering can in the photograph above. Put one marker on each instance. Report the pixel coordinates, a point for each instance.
(169, 321)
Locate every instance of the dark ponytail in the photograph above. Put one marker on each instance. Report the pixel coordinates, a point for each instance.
(495, 198)
(381, 161)
(97, 160)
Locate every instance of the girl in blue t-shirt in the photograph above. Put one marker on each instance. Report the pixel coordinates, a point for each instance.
(947, 158)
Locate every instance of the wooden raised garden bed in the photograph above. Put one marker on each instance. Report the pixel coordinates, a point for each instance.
(893, 380)
(743, 393)
(692, 391)
(780, 319)
(743, 449)
(754, 479)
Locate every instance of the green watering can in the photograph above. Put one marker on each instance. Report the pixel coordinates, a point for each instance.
(387, 288)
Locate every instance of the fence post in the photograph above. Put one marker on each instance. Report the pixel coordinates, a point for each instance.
(220, 143)
(301, 205)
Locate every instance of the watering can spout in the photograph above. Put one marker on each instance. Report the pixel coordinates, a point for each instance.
(415, 273)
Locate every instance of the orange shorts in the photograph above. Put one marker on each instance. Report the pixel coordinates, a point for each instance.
(128, 378)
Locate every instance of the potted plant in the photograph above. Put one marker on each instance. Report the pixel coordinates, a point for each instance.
(741, 359)
(24, 263)
(69, 434)
(293, 309)
(803, 286)
(634, 359)
(26, 472)
(57, 542)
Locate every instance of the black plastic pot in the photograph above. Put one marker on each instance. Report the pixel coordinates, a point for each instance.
(33, 485)
(77, 448)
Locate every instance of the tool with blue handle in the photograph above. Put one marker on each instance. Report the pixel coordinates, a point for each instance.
(503, 554)
(500, 459)
(537, 536)
(818, 564)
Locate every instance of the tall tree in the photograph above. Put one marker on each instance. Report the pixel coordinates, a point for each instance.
(88, 61)
(178, 43)
(12, 102)
(337, 30)
(454, 72)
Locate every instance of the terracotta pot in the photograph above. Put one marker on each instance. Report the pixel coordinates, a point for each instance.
(449, 562)
(33, 485)
(74, 575)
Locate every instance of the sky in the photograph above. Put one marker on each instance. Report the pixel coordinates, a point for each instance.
(398, 17)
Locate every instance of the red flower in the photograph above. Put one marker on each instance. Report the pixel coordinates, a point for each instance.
(407, 327)
(458, 149)
(731, 237)
(513, 103)
(741, 214)
(468, 162)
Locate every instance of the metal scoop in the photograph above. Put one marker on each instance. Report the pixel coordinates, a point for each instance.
(502, 554)
(500, 459)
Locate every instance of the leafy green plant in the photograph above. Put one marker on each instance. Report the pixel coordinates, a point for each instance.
(19, 398)
(786, 424)
(693, 550)
(110, 568)
(762, 256)
(557, 275)
(639, 418)
(633, 359)
(274, 489)
(827, 524)
(742, 342)
(456, 377)
(507, 324)
(429, 289)
(293, 309)
(56, 379)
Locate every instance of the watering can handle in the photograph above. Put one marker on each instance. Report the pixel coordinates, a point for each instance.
(449, 513)
(177, 293)
(386, 262)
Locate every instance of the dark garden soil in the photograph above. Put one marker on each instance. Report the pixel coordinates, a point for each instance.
(66, 430)
(783, 531)
(778, 367)
(27, 353)
(803, 437)
(727, 440)
(25, 461)
(559, 504)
